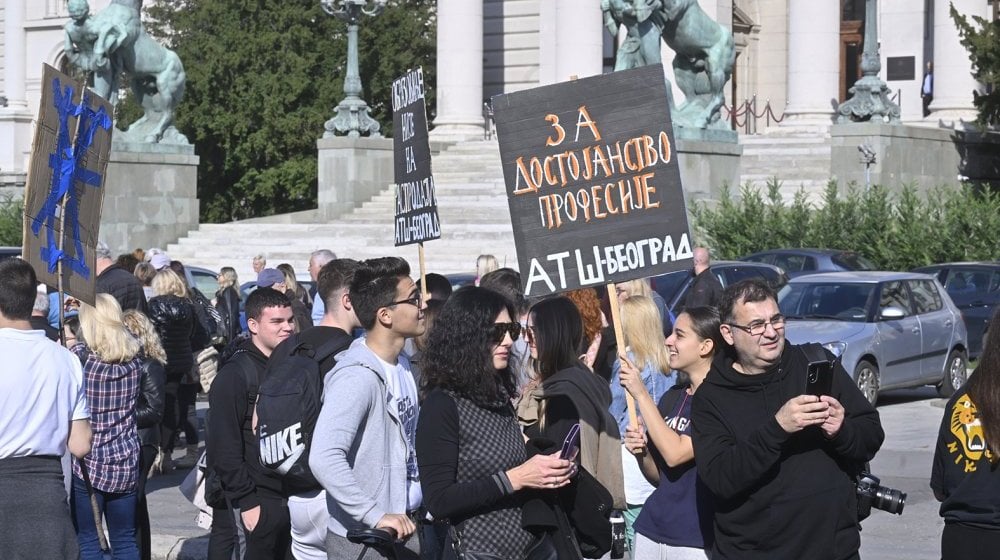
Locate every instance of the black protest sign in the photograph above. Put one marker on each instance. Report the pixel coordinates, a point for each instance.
(65, 188)
(416, 203)
(592, 181)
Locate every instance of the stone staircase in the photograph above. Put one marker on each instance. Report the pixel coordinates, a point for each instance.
(472, 206)
(800, 158)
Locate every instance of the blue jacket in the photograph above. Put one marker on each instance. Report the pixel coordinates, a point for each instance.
(656, 383)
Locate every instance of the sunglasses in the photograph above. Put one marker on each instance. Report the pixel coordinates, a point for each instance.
(502, 329)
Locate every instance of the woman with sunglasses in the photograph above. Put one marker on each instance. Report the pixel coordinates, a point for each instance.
(470, 450)
(676, 520)
(571, 395)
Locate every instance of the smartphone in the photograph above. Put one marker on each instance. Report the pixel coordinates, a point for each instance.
(571, 445)
(819, 378)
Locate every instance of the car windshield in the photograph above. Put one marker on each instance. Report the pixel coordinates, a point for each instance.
(852, 261)
(839, 302)
(667, 285)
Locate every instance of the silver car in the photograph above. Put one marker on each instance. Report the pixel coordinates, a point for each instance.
(891, 329)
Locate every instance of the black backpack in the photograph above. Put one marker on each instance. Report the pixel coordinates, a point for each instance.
(209, 318)
(288, 404)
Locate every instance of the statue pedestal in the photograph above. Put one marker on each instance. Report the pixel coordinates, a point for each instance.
(351, 172)
(708, 160)
(925, 157)
(150, 195)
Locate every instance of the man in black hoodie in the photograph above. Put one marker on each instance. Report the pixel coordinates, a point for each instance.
(254, 494)
(779, 462)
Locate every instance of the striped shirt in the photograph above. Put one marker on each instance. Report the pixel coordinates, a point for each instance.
(112, 390)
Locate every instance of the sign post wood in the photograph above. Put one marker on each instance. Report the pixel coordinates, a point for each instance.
(593, 184)
(416, 201)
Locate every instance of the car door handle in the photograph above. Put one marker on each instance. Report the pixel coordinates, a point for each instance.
(947, 323)
(916, 330)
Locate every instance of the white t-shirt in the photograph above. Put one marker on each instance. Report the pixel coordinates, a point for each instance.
(403, 398)
(41, 392)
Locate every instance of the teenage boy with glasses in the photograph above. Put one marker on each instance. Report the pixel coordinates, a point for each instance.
(780, 463)
(363, 448)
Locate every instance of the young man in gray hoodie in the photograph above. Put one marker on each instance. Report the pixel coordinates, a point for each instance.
(363, 447)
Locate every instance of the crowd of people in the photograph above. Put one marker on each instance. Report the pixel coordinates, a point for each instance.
(475, 423)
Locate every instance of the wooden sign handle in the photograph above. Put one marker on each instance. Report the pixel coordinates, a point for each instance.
(633, 420)
(425, 295)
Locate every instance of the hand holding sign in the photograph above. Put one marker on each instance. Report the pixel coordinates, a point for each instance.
(593, 185)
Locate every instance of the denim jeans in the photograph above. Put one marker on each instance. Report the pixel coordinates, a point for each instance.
(119, 512)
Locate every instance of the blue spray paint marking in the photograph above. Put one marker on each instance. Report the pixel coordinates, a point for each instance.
(67, 168)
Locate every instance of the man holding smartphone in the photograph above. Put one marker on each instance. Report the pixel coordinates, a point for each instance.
(780, 462)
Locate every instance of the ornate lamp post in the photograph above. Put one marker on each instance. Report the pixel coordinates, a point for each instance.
(870, 95)
(352, 113)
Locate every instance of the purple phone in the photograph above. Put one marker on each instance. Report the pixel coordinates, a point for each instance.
(571, 445)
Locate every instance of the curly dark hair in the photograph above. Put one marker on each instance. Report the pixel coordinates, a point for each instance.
(459, 355)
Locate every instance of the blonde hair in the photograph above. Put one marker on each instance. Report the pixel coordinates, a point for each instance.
(291, 284)
(104, 331)
(486, 264)
(642, 328)
(634, 288)
(167, 282)
(145, 333)
(228, 276)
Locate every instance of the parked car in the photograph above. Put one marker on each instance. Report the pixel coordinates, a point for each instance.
(975, 289)
(7, 252)
(797, 262)
(890, 329)
(207, 281)
(673, 286)
(461, 279)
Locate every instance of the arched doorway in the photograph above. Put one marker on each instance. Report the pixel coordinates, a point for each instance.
(852, 41)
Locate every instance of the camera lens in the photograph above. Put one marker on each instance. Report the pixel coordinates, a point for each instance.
(889, 500)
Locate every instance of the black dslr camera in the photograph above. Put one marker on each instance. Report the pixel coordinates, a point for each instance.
(872, 494)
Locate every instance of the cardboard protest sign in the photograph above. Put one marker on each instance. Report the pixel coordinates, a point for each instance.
(592, 181)
(416, 203)
(64, 193)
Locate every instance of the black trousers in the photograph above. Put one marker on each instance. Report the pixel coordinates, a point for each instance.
(179, 400)
(148, 455)
(222, 539)
(271, 539)
(961, 542)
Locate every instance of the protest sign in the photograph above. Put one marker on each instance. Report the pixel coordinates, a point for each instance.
(64, 193)
(416, 203)
(593, 181)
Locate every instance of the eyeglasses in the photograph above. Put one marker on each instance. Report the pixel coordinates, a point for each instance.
(758, 328)
(502, 329)
(412, 300)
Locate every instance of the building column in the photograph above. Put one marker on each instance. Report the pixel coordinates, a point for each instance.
(813, 62)
(579, 39)
(15, 118)
(459, 70)
(953, 81)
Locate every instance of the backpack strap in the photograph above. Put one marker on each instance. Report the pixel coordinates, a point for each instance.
(252, 378)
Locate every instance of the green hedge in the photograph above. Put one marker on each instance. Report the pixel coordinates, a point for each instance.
(11, 221)
(897, 231)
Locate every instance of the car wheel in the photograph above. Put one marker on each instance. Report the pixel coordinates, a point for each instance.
(866, 376)
(955, 374)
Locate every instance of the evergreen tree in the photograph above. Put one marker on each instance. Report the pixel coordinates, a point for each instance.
(262, 78)
(983, 44)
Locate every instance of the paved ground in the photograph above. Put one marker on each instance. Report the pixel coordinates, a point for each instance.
(910, 419)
